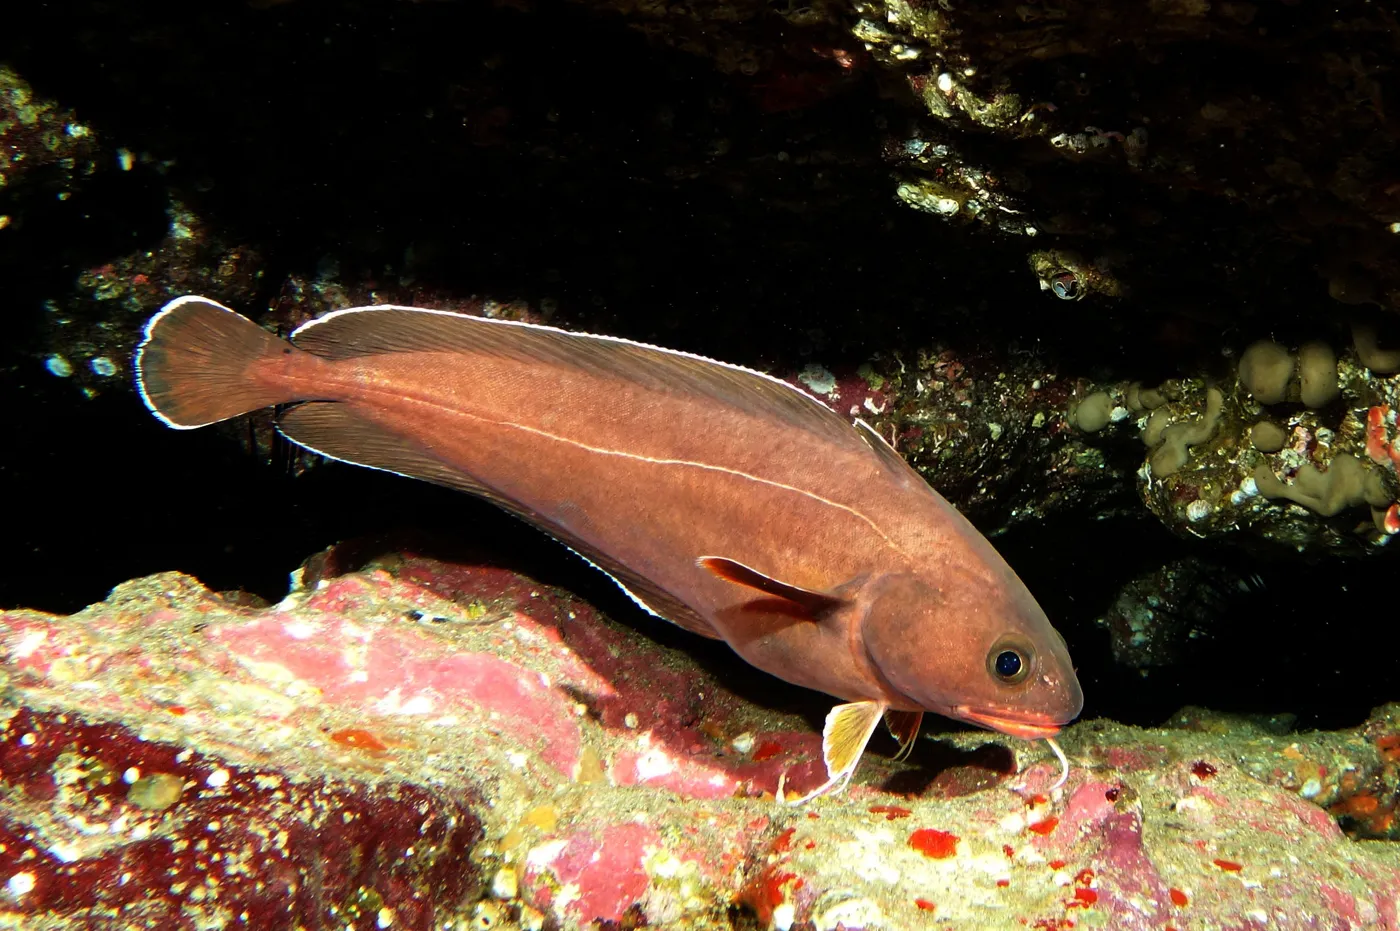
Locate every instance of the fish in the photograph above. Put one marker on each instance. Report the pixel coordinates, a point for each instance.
(719, 498)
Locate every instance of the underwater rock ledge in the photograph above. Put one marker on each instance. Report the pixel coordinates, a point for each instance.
(420, 744)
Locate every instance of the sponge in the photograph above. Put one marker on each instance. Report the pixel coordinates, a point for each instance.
(1266, 368)
(1346, 483)
(1317, 374)
(1172, 454)
(1140, 398)
(1094, 412)
(1157, 423)
(1268, 437)
(1368, 350)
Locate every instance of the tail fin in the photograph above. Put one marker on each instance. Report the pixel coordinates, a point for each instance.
(193, 366)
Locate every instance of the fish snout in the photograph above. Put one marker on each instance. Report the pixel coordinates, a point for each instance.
(1030, 725)
(1053, 700)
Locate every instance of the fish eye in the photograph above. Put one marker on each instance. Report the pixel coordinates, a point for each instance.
(1010, 662)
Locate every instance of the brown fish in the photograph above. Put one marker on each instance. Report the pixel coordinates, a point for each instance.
(719, 498)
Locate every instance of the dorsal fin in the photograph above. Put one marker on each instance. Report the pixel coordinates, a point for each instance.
(336, 431)
(362, 331)
(813, 604)
(882, 448)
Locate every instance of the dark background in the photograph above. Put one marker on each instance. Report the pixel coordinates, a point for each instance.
(550, 153)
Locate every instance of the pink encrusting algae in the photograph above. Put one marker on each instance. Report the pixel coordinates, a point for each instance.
(322, 746)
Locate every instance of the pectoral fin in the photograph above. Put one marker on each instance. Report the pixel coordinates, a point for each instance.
(848, 729)
(904, 727)
(813, 604)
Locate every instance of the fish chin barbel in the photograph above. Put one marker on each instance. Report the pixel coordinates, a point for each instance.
(719, 498)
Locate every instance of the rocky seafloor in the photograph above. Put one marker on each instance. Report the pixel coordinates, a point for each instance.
(451, 745)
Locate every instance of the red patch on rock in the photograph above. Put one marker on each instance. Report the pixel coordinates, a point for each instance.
(656, 766)
(767, 750)
(359, 739)
(399, 671)
(1087, 808)
(1133, 759)
(607, 869)
(254, 838)
(769, 890)
(891, 812)
(938, 845)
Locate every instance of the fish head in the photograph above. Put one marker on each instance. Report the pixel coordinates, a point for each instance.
(976, 648)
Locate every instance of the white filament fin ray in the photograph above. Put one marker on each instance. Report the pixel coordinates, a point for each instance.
(1064, 763)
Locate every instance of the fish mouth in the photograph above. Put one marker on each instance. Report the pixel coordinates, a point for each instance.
(1031, 728)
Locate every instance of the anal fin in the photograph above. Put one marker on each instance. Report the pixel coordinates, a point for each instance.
(904, 727)
(338, 431)
(848, 729)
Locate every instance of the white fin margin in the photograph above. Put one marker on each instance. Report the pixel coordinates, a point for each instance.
(875, 433)
(170, 307)
(310, 324)
(616, 581)
(625, 590)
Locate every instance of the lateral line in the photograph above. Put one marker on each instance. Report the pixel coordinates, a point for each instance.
(694, 465)
(432, 402)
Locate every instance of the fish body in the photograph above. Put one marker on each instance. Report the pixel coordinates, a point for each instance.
(721, 499)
